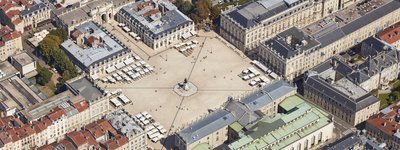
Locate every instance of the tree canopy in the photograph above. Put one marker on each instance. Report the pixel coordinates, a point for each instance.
(185, 7)
(55, 57)
(44, 75)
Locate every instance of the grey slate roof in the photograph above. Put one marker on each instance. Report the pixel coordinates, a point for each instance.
(358, 77)
(371, 16)
(267, 95)
(85, 88)
(352, 105)
(241, 111)
(331, 37)
(379, 56)
(253, 13)
(159, 23)
(85, 57)
(207, 125)
(286, 50)
(33, 9)
(346, 142)
(358, 23)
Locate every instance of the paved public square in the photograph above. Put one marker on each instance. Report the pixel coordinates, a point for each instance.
(213, 67)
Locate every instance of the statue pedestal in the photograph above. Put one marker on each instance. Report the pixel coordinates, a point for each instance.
(185, 89)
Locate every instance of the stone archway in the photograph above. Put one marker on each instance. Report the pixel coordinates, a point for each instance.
(104, 17)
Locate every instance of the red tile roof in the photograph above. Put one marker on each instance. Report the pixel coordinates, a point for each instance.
(79, 138)
(39, 126)
(5, 121)
(25, 131)
(116, 143)
(11, 35)
(17, 21)
(67, 144)
(100, 128)
(386, 123)
(4, 138)
(150, 12)
(46, 147)
(90, 139)
(56, 114)
(76, 138)
(91, 39)
(390, 34)
(81, 105)
(76, 33)
(7, 6)
(12, 13)
(46, 121)
(13, 134)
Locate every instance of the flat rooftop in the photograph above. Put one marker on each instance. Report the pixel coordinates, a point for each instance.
(44, 107)
(347, 87)
(87, 55)
(19, 92)
(7, 70)
(23, 59)
(251, 14)
(72, 14)
(124, 123)
(148, 14)
(85, 88)
(75, 13)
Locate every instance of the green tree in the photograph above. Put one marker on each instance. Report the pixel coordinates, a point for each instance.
(185, 7)
(44, 75)
(62, 34)
(49, 43)
(202, 9)
(55, 57)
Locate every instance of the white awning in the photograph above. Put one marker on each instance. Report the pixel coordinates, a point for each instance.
(94, 77)
(115, 102)
(186, 35)
(110, 69)
(129, 61)
(193, 32)
(118, 78)
(124, 99)
(120, 65)
(261, 66)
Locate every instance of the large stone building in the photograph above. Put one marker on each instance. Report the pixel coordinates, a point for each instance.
(126, 125)
(25, 64)
(10, 42)
(212, 129)
(158, 23)
(385, 126)
(336, 87)
(298, 125)
(246, 26)
(95, 51)
(391, 35)
(96, 135)
(23, 15)
(50, 120)
(374, 64)
(68, 18)
(295, 51)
